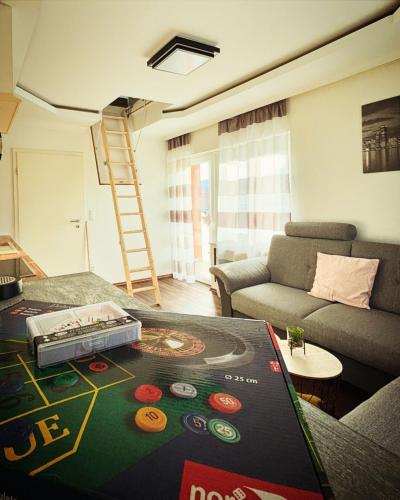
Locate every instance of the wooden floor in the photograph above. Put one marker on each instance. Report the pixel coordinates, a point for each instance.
(197, 298)
(181, 297)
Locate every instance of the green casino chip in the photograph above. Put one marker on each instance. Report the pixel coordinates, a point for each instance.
(223, 430)
(66, 380)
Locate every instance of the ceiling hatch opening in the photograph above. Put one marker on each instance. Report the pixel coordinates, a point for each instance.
(116, 136)
(125, 105)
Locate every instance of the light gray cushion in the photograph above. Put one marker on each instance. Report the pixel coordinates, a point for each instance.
(370, 336)
(378, 418)
(292, 260)
(280, 305)
(243, 273)
(321, 230)
(386, 290)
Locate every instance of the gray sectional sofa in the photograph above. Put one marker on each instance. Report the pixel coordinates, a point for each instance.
(275, 289)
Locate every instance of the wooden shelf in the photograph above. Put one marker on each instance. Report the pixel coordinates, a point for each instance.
(12, 251)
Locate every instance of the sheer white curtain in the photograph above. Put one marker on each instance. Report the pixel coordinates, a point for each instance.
(253, 191)
(180, 209)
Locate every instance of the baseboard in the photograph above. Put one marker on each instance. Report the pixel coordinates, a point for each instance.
(144, 280)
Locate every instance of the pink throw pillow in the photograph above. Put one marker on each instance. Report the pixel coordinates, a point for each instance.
(348, 280)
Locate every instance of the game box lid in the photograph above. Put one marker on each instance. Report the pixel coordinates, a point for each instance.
(199, 408)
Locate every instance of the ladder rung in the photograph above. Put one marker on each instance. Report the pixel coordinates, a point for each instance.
(133, 231)
(110, 117)
(122, 162)
(130, 213)
(132, 250)
(143, 289)
(128, 182)
(139, 269)
(127, 196)
(117, 132)
(118, 147)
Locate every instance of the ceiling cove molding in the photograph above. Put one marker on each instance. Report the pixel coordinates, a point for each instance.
(317, 52)
(44, 103)
(79, 116)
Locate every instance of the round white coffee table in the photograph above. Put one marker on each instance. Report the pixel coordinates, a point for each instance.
(315, 373)
(316, 363)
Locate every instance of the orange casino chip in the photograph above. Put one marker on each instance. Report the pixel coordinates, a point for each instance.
(150, 419)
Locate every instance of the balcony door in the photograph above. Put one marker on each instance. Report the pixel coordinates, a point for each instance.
(203, 210)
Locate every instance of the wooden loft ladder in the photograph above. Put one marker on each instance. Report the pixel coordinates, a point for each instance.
(125, 188)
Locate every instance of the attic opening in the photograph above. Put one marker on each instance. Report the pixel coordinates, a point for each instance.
(125, 105)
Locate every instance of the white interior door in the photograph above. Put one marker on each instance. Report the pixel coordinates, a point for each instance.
(50, 209)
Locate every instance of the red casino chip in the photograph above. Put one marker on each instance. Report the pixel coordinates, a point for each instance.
(98, 366)
(225, 403)
(148, 393)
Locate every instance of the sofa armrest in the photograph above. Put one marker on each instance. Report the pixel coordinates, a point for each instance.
(242, 273)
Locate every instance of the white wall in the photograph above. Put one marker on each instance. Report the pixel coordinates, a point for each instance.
(205, 139)
(37, 129)
(328, 183)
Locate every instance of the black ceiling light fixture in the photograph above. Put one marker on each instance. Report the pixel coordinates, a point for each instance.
(182, 56)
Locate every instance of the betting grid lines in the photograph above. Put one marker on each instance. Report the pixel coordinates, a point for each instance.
(45, 399)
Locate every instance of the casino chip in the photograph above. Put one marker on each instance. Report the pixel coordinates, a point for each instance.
(98, 366)
(225, 403)
(223, 430)
(66, 380)
(147, 393)
(195, 423)
(183, 390)
(15, 433)
(150, 419)
(10, 387)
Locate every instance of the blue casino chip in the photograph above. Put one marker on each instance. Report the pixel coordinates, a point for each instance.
(10, 387)
(15, 433)
(195, 423)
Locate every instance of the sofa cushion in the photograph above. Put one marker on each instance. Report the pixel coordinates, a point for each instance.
(280, 305)
(370, 336)
(378, 418)
(292, 260)
(348, 280)
(386, 291)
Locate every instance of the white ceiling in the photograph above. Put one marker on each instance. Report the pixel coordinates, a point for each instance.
(86, 53)
(372, 46)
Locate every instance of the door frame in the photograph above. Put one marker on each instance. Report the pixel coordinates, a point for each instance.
(15, 152)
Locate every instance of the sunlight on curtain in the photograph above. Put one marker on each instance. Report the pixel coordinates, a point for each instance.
(253, 191)
(180, 210)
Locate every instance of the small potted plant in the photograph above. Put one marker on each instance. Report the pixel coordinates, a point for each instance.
(295, 337)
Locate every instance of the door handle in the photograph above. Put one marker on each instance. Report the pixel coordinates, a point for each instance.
(75, 220)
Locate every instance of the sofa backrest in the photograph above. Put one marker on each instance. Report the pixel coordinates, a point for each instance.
(292, 258)
(386, 289)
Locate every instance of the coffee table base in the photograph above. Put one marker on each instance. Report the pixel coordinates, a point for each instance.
(326, 390)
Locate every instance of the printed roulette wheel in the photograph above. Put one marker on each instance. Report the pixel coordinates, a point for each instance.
(206, 350)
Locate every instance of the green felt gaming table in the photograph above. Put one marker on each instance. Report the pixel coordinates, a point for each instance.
(85, 441)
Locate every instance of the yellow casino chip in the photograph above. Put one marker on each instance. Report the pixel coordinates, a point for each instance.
(150, 419)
